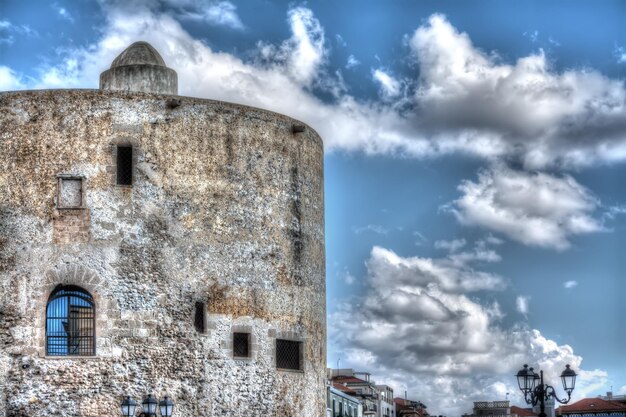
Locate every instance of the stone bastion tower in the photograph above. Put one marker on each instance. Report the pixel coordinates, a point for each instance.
(152, 243)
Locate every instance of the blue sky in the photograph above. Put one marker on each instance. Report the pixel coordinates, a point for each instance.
(475, 152)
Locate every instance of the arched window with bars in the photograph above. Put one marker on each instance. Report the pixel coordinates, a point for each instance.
(70, 322)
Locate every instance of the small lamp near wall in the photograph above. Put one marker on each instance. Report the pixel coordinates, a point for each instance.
(129, 407)
(166, 406)
(149, 406)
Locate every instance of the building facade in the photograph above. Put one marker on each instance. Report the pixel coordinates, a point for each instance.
(342, 402)
(410, 408)
(499, 409)
(152, 243)
(386, 405)
(359, 383)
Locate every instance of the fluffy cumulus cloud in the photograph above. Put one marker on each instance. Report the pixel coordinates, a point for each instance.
(570, 284)
(416, 328)
(464, 100)
(533, 208)
(452, 273)
(524, 109)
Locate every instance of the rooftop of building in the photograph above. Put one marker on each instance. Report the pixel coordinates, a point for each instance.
(343, 388)
(592, 406)
(345, 379)
(522, 412)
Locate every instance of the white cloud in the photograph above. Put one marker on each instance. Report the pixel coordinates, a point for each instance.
(420, 239)
(453, 273)
(525, 109)
(389, 86)
(570, 284)
(620, 54)
(492, 240)
(9, 80)
(521, 304)
(352, 62)
(375, 228)
(536, 209)
(450, 245)
(340, 40)
(8, 31)
(615, 211)
(464, 101)
(349, 278)
(533, 35)
(415, 332)
(63, 12)
(220, 13)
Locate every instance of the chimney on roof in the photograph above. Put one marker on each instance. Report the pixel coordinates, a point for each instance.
(609, 395)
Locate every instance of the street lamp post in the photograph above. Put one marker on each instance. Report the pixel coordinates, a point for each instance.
(149, 406)
(534, 394)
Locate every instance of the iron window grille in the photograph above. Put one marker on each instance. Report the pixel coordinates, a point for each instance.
(70, 322)
(124, 165)
(288, 354)
(241, 345)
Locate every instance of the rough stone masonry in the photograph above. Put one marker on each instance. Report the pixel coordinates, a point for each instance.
(218, 230)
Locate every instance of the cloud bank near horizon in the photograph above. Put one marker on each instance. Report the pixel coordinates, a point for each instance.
(415, 331)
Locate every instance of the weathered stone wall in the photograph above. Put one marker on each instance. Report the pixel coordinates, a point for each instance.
(226, 208)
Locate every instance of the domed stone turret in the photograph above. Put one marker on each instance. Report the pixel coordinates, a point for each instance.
(140, 67)
(139, 53)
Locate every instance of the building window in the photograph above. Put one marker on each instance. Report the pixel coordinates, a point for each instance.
(124, 165)
(70, 193)
(199, 317)
(70, 322)
(288, 354)
(241, 345)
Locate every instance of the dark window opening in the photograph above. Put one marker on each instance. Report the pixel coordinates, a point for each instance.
(70, 323)
(288, 354)
(241, 345)
(124, 165)
(198, 320)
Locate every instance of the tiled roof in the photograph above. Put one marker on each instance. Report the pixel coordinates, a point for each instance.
(591, 405)
(402, 401)
(522, 412)
(349, 380)
(343, 388)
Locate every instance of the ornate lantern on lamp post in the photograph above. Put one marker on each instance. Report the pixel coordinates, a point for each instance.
(149, 406)
(536, 392)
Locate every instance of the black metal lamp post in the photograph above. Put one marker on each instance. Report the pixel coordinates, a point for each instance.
(534, 394)
(149, 405)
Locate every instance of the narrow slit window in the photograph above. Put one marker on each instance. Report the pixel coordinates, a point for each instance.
(289, 354)
(199, 321)
(241, 345)
(124, 165)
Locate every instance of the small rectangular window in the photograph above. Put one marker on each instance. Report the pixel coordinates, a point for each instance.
(124, 165)
(199, 322)
(70, 191)
(241, 345)
(288, 354)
